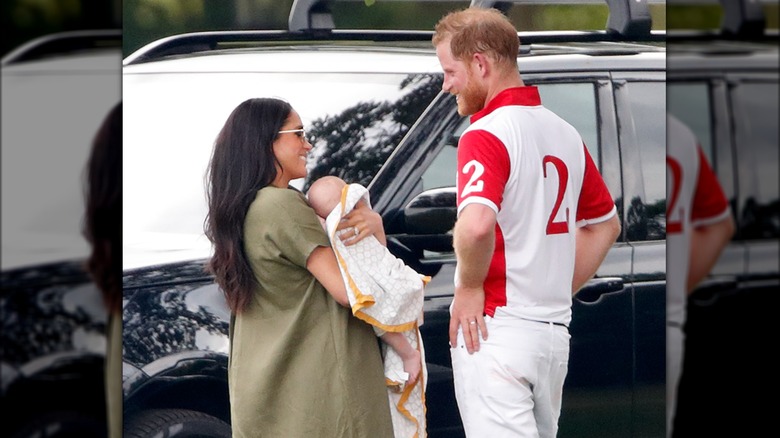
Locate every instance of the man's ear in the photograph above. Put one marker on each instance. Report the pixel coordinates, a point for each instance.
(481, 63)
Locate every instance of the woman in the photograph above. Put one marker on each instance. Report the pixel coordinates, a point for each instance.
(300, 364)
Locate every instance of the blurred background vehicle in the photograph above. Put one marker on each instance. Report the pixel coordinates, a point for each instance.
(723, 83)
(56, 90)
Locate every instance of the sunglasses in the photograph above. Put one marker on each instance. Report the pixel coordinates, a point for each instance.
(301, 133)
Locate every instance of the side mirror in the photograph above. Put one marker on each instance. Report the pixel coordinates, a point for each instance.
(431, 212)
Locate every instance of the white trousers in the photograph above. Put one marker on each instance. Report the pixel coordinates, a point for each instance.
(512, 386)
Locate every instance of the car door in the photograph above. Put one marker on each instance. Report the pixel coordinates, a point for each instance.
(640, 103)
(415, 193)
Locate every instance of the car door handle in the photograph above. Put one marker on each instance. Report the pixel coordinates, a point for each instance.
(596, 287)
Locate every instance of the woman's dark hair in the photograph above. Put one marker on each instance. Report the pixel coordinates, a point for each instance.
(103, 216)
(242, 163)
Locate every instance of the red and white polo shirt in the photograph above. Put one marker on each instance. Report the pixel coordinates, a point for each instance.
(532, 168)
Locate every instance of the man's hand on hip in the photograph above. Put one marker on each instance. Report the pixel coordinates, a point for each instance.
(467, 312)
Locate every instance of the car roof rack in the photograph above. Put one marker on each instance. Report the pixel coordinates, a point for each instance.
(310, 21)
(739, 19)
(626, 17)
(63, 42)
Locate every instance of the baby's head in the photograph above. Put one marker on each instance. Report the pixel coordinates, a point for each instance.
(325, 194)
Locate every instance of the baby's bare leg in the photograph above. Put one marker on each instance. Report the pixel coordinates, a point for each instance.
(411, 357)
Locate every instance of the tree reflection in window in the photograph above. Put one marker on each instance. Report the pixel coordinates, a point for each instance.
(355, 143)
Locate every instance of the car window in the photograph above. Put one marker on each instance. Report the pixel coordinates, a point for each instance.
(574, 102)
(690, 103)
(354, 143)
(759, 179)
(646, 216)
(354, 121)
(442, 171)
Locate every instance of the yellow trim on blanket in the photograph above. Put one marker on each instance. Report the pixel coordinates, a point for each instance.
(388, 328)
(408, 392)
(362, 300)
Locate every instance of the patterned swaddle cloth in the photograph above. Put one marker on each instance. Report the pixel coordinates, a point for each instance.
(387, 294)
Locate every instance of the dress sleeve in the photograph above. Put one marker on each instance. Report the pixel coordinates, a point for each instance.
(293, 227)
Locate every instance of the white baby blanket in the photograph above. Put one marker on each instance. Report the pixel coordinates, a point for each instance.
(388, 294)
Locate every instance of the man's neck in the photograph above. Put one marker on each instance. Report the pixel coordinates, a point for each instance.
(501, 84)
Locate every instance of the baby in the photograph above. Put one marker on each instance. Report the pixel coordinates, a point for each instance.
(384, 292)
(325, 196)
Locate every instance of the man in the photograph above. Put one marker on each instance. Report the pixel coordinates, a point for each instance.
(698, 227)
(527, 191)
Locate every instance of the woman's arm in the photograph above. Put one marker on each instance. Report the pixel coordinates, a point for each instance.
(323, 265)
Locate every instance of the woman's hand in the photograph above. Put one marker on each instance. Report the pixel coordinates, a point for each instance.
(364, 222)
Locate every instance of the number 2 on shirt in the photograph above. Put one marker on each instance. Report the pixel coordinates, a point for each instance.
(475, 185)
(560, 227)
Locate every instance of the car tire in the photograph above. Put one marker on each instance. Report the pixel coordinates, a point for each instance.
(179, 423)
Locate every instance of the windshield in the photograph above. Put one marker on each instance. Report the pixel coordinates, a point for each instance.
(354, 122)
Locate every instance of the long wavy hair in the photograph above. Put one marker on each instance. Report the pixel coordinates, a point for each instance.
(102, 225)
(242, 163)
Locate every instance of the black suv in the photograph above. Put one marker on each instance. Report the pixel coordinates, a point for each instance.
(372, 103)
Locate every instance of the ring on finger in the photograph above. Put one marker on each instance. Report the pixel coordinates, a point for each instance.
(472, 322)
(356, 231)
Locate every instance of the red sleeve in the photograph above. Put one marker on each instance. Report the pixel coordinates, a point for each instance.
(483, 167)
(709, 200)
(595, 200)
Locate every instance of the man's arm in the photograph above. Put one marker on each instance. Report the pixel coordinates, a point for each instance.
(474, 242)
(707, 243)
(593, 241)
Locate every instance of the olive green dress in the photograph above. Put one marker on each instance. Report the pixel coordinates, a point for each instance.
(300, 364)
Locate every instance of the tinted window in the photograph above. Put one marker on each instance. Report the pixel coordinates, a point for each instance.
(575, 103)
(690, 103)
(646, 214)
(755, 119)
(355, 142)
(442, 171)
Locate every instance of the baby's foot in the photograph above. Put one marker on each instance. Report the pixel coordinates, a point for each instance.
(413, 366)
